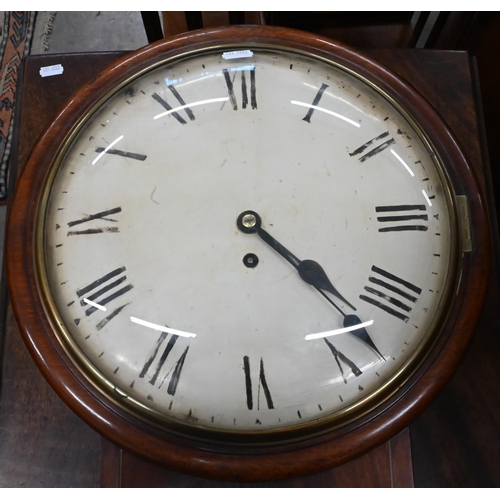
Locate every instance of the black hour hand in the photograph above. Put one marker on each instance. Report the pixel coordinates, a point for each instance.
(311, 272)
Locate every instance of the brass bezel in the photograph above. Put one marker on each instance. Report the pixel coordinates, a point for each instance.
(295, 433)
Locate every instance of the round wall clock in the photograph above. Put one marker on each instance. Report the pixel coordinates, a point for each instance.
(247, 253)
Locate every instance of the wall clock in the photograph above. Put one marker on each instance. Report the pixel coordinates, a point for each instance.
(249, 253)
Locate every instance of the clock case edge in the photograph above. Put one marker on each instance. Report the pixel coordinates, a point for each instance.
(260, 463)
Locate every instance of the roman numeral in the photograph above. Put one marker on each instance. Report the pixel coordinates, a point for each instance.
(101, 292)
(97, 230)
(244, 88)
(342, 358)
(119, 152)
(161, 360)
(402, 213)
(262, 384)
(315, 102)
(379, 146)
(392, 294)
(180, 100)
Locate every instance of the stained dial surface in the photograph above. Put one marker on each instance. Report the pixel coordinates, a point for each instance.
(337, 285)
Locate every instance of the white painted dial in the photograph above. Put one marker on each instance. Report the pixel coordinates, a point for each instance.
(194, 319)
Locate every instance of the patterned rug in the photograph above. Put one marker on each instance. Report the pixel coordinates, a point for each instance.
(16, 34)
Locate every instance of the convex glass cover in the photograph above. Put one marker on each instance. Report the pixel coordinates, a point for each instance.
(247, 240)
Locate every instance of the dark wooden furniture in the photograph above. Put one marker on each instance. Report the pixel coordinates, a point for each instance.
(175, 22)
(34, 421)
(388, 466)
(358, 29)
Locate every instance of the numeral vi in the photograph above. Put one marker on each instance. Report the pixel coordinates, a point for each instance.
(262, 384)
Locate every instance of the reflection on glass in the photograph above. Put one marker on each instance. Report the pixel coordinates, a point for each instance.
(337, 97)
(403, 162)
(106, 149)
(191, 105)
(317, 108)
(426, 196)
(329, 333)
(161, 328)
(248, 67)
(94, 304)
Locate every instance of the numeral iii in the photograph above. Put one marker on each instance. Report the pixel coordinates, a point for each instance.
(394, 214)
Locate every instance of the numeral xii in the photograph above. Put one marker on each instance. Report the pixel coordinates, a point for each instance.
(244, 88)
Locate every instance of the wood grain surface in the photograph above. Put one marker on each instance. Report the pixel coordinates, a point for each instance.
(42, 442)
(34, 422)
(387, 466)
(456, 441)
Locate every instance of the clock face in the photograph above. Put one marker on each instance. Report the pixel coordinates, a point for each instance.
(247, 240)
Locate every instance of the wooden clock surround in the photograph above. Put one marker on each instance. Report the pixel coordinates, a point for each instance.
(216, 461)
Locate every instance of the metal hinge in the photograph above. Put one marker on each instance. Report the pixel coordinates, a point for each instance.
(464, 223)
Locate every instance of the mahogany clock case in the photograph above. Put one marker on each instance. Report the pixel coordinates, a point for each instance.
(215, 460)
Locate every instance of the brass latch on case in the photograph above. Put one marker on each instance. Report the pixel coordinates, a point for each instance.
(464, 223)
